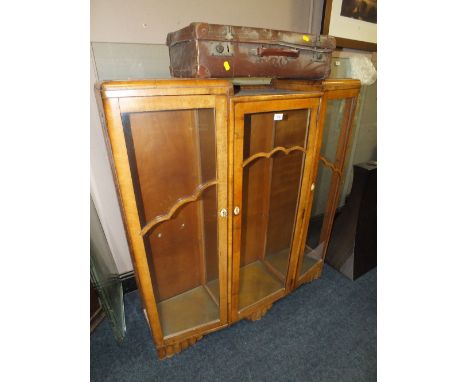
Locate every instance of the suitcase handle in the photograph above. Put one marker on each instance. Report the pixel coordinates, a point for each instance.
(263, 52)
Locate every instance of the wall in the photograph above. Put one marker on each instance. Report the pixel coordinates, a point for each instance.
(148, 22)
(125, 37)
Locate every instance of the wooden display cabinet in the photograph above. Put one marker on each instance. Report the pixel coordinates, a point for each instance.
(336, 117)
(168, 141)
(274, 143)
(215, 188)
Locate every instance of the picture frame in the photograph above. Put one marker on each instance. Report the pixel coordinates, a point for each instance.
(356, 30)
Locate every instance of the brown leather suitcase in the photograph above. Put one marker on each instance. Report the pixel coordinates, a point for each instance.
(203, 50)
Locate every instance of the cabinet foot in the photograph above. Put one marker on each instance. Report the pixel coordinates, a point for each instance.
(171, 349)
(314, 273)
(258, 314)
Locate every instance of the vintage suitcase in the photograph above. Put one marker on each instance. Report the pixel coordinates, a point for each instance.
(208, 50)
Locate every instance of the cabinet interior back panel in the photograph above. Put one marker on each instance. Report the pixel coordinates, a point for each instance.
(285, 180)
(258, 137)
(271, 185)
(169, 164)
(208, 214)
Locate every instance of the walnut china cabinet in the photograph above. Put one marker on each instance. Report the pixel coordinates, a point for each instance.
(216, 187)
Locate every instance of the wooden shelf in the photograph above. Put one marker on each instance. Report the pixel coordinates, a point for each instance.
(187, 310)
(256, 282)
(308, 262)
(280, 261)
(213, 288)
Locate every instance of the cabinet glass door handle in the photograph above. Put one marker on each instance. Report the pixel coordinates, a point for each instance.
(236, 210)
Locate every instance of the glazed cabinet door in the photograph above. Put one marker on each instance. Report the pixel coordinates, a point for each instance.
(274, 148)
(337, 117)
(171, 163)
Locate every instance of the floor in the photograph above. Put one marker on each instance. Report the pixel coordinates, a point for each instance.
(324, 331)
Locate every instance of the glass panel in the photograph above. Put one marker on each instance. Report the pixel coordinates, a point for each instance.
(262, 132)
(270, 195)
(124, 61)
(332, 128)
(314, 247)
(340, 67)
(182, 248)
(105, 276)
(363, 146)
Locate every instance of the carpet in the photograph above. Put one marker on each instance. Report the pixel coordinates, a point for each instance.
(324, 331)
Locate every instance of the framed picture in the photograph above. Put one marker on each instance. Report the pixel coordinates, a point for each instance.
(352, 22)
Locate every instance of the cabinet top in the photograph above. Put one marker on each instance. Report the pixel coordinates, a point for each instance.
(182, 86)
(327, 84)
(164, 87)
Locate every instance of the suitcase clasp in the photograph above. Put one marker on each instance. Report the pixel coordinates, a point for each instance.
(229, 35)
(220, 48)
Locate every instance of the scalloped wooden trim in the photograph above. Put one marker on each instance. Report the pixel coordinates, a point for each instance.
(272, 152)
(180, 202)
(258, 314)
(171, 349)
(330, 165)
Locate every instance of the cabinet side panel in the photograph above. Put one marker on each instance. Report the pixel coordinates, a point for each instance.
(117, 147)
(341, 154)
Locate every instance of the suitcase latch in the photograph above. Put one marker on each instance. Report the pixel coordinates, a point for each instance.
(319, 56)
(221, 48)
(229, 35)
